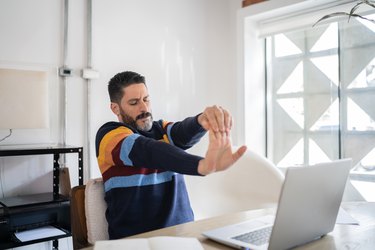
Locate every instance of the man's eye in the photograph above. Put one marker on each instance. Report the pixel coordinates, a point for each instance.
(132, 103)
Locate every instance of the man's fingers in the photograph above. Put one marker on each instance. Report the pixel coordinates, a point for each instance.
(211, 116)
(237, 155)
(205, 124)
(217, 118)
(220, 118)
(227, 120)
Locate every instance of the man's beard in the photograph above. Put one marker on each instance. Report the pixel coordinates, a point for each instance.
(145, 126)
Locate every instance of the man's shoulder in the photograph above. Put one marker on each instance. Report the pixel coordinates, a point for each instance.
(119, 127)
(108, 126)
(113, 126)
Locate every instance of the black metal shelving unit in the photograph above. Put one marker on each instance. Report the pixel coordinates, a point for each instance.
(36, 210)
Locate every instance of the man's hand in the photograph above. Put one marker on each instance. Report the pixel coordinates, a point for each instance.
(219, 154)
(215, 118)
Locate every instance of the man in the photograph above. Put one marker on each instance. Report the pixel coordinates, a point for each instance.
(142, 161)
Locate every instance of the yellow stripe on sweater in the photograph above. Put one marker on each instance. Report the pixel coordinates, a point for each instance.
(107, 144)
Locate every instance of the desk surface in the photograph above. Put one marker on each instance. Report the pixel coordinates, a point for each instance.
(343, 237)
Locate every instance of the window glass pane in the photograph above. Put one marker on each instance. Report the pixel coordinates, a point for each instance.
(321, 98)
(284, 46)
(294, 108)
(302, 70)
(357, 63)
(329, 120)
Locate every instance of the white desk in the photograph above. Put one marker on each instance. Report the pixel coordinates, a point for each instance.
(343, 237)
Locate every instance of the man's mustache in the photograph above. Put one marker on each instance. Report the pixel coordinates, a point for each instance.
(143, 115)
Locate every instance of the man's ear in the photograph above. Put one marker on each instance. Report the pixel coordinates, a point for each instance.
(115, 108)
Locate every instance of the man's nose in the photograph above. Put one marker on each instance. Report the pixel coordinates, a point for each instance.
(143, 106)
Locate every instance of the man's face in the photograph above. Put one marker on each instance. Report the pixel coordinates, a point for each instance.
(135, 108)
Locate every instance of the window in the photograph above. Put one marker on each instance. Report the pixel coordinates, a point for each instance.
(321, 98)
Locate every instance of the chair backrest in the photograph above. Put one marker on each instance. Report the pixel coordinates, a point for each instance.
(88, 214)
(95, 207)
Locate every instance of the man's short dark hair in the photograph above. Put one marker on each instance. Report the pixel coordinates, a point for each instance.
(121, 80)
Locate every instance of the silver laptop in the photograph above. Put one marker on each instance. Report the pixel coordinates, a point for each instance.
(308, 206)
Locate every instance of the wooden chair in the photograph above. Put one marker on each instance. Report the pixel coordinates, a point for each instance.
(88, 220)
(78, 217)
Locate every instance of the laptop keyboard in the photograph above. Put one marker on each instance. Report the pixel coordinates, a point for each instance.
(257, 237)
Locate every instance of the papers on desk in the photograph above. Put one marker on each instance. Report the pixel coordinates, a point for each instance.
(154, 243)
(38, 233)
(345, 218)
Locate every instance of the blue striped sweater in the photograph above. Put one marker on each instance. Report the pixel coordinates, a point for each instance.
(142, 174)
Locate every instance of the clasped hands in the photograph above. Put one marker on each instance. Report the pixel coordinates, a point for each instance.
(218, 122)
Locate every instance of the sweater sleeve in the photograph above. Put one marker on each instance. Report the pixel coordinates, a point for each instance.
(137, 150)
(186, 133)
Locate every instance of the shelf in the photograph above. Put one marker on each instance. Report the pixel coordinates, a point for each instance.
(38, 149)
(31, 200)
(14, 242)
(19, 213)
(22, 215)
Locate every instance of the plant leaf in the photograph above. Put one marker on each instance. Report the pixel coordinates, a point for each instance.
(365, 18)
(369, 2)
(336, 14)
(356, 7)
(351, 13)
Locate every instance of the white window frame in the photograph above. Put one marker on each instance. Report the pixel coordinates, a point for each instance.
(253, 24)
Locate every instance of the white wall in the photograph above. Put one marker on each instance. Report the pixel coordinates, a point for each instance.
(185, 48)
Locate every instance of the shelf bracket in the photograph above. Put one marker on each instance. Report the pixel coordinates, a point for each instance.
(56, 175)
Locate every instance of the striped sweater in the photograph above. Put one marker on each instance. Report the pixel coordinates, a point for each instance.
(144, 188)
